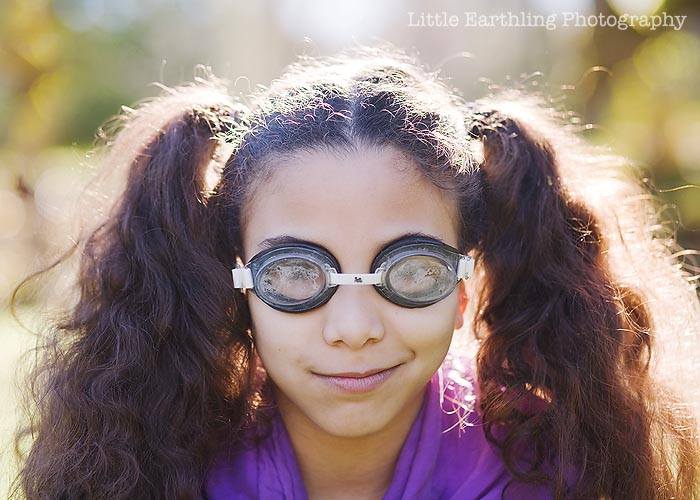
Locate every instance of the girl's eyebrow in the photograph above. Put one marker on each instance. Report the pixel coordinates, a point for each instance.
(284, 239)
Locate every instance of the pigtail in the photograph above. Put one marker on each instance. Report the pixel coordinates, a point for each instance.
(564, 360)
(146, 375)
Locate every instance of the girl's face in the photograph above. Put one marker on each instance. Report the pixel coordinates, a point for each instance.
(351, 204)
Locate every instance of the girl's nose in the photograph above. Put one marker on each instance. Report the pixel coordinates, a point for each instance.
(353, 317)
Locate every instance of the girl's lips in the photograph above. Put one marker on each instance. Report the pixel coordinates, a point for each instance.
(358, 384)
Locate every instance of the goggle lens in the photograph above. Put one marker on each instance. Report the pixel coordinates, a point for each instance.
(292, 280)
(421, 278)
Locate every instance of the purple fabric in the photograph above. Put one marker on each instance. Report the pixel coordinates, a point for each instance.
(440, 458)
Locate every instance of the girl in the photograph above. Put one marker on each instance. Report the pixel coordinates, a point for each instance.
(268, 311)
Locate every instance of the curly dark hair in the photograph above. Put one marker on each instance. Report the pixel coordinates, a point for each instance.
(153, 368)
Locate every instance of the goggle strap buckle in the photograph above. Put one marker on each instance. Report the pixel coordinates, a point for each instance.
(465, 268)
(242, 278)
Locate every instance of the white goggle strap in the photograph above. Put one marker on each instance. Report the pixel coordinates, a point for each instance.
(242, 278)
(465, 268)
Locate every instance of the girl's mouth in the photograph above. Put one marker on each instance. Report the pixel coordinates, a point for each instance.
(357, 384)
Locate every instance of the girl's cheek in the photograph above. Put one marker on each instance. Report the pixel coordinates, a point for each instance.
(289, 344)
(423, 330)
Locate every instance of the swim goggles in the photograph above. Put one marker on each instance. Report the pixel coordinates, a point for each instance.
(298, 277)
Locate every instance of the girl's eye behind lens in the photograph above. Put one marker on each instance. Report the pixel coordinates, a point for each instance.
(292, 279)
(420, 277)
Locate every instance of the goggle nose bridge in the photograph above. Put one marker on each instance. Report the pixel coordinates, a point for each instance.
(375, 278)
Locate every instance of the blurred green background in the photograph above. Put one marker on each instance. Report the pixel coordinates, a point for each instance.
(68, 65)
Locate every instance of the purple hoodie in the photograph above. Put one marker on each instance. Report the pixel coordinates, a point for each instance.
(445, 455)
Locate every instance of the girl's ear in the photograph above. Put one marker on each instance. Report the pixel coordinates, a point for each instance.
(459, 315)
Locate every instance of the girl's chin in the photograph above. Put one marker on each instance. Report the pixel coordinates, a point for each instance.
(354, 428)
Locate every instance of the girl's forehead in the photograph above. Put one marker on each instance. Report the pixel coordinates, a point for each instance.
(349, 200)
